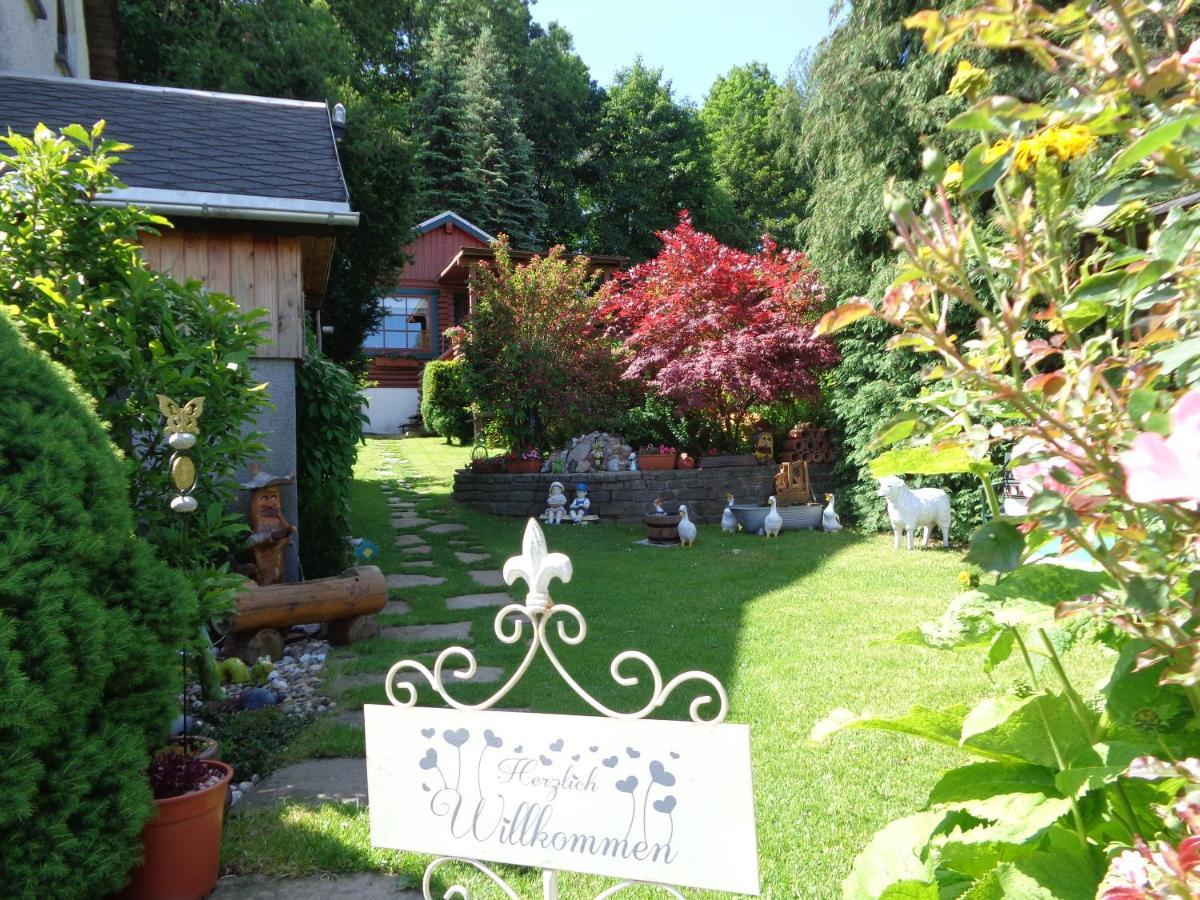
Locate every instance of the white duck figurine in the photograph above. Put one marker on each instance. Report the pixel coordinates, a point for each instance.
(687, 528)
(773, 522)
(829, 516)
(729, 522)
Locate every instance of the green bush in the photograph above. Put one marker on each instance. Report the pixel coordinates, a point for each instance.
(90, 622)
(84, 296)
(444, 400)
(329, 421)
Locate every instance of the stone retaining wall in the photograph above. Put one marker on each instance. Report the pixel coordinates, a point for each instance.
(627, 496)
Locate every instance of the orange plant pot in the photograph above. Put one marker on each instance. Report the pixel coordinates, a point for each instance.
(182, 845)
(653, 462)
(523, 466)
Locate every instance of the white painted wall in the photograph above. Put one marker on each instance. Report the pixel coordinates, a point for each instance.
(28, 44)
(389, 409)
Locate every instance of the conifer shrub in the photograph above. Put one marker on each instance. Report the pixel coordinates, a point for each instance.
(90, 625)
(444, 400)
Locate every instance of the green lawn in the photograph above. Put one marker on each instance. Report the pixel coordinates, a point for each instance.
(794, 628)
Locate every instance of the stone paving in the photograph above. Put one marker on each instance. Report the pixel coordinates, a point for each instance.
(446, 528)
(478, 601)
(359, 886)
(445, 631)
(313, 781)
(396, 608)
(404, 580)
(487, 577)
(405, 540)
(418, 563)
(464, 557)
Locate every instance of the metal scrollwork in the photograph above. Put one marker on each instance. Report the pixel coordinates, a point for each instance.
(538, 568)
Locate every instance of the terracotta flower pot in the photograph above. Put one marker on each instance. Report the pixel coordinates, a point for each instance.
(523, 466)
(182, 845)
(653, 462)
(201, 747)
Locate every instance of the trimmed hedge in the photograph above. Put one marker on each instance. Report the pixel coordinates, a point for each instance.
(444, 400)
(90, 625)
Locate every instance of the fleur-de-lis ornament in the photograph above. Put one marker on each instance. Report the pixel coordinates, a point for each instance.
(537, 567)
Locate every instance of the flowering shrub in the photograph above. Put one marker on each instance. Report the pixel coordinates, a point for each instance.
(656, 450)
(1085, 282)
(719, 330)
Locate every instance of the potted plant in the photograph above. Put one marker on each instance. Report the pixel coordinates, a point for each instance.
(651, 457)
(526, 463)
(182, 842)
(484, 464)
(686, 462)
(196, 745)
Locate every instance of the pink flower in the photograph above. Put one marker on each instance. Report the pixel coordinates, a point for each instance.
(1158, 468)
(1191, 56)
(1042, 467)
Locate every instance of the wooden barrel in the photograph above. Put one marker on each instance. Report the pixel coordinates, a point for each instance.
(662, 529)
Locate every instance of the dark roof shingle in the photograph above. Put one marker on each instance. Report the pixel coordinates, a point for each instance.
(191, 140)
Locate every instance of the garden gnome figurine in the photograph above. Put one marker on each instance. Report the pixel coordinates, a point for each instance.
(633, 466)
(270, 533)
(658, 507)
(581, 504)
(555, 503)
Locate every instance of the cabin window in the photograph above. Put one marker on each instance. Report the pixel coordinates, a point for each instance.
(407, 325)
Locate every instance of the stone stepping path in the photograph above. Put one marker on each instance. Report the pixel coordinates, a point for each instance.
(444, 631)
(411, 522)
(405, 540)
(313, 781)
(487, 577)
(446, 528)
(405, 580)
(396, 608)
(470, 557)
(419, 550)
(453, 543)
(359, 886)
(418, 563)
(483, 675)
(478, 601)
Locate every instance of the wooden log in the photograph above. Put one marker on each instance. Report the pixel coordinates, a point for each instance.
(355, 628)
(356, 592)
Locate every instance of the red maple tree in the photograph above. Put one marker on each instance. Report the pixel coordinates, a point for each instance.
(718, 329)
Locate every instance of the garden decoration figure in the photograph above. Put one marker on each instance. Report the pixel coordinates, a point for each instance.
(598, 455)
(555, 503)
(909, 510)
(764, 447)
(773, 523)
(270, 533)
(580, 505)
(729, 522)
(687, 528)
(829, 516)
(183, 424)
(633, 466)
(658, 507)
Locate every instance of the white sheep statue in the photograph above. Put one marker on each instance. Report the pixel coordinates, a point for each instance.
(909, 510)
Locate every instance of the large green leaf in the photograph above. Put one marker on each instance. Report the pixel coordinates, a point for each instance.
(893, 856)
(1007, 882)
(1136, 699)
(978, 781)
(1150, 142)
(941, 459)
(1047, 583)
(996, 546)
(1029, 729)
(911, 890)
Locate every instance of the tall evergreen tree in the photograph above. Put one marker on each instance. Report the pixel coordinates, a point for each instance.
(651, 160)
(503, 154)
(448, 153)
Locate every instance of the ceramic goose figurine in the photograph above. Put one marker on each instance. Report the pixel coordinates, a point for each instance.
(829, 517)
(687, 528)
(773, 522)
(729, 522)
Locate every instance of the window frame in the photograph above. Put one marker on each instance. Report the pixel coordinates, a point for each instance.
(400, 293)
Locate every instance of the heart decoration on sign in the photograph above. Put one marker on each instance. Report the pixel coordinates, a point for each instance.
(546, 761)
(456, 737)
(518, 748)
(427, 732)
(489, 738)
(660, 775)
(633, 754)
(593, 749)
(627, 785)
(557, 745)
(666, 804)
(674, 755)
(575, 758)
(610, 762)
(429, 760)
(425, 787)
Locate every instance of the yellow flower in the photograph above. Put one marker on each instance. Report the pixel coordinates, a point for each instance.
(996, 151)
(952, 179)
(1061, 143)
(969, 81)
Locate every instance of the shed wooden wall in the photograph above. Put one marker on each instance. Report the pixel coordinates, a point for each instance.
(259, 271)
(431, 253)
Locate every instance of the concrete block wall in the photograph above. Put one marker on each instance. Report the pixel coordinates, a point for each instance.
(626, 496)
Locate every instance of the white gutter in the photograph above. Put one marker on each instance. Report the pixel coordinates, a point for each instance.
(206, 205)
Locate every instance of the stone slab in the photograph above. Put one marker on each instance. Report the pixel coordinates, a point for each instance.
(418, 550)
(470, 557)
(487, 577)
(459, 543)
(396, 608)
(405, 580)
(410, 522)
(446, 528)
(478, 601)
(418, 563)
(405, 540)
(359, 886)
(313, 781)
(446, 631)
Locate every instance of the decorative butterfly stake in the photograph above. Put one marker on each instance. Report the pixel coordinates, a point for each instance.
(181, 419)
(183, 424)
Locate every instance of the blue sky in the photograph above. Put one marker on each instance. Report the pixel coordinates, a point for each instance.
(693, 41)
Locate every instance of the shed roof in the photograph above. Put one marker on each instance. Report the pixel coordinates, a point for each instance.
(447, 216)
(199, 152)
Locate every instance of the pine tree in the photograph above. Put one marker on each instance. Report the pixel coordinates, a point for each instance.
(448, 156)
(504, 154)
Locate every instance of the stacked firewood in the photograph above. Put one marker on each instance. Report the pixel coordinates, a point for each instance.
(806, 443)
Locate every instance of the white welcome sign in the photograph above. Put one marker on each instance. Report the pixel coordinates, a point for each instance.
(645, 800)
